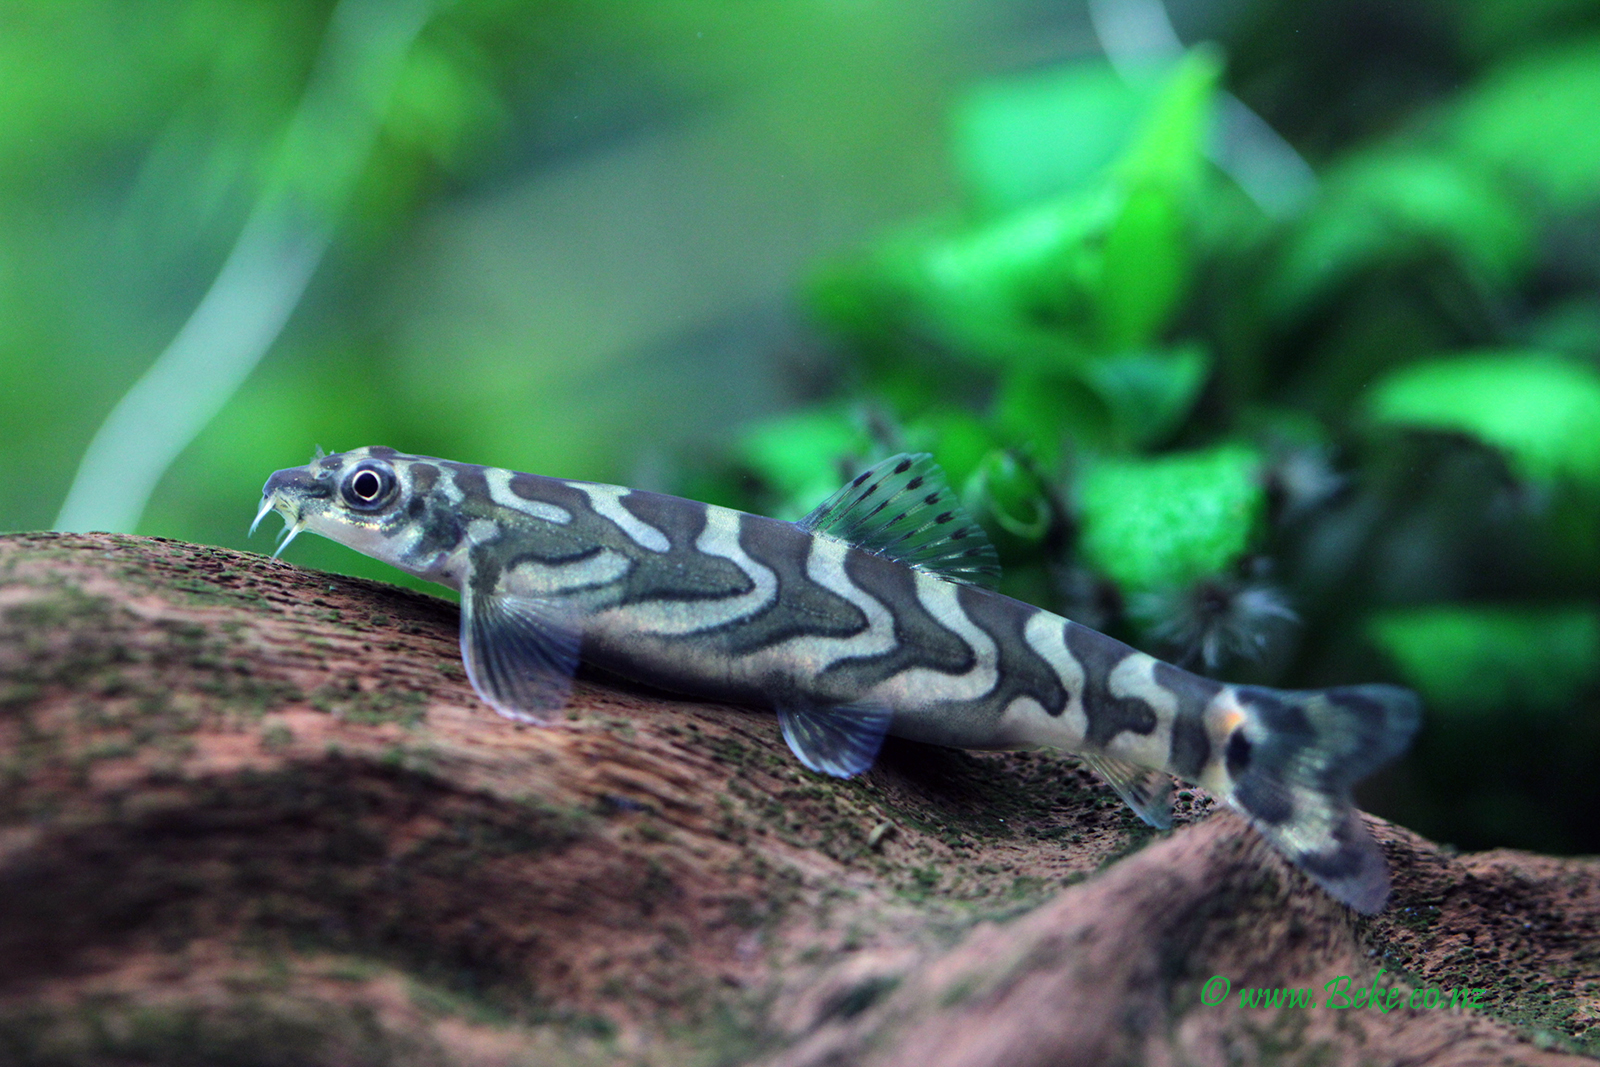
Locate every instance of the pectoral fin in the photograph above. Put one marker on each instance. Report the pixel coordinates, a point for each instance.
(520, 652)
(841, 739)
(1148, 793)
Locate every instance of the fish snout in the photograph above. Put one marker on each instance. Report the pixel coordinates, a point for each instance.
(295, 483)
(286, 492)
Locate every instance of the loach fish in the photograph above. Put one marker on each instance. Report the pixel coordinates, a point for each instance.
(875, 614)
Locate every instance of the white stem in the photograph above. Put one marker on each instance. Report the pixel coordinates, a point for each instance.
(265, 274)
(1139, 42)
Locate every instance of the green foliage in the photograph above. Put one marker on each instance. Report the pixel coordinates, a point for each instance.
(1542, 412)
(1196, 424)
(1146, 254)
(1475, 661)
(1060, 305)
(1055, 300)
(1023, 140)
(787, 452)
(1167, 521)
(1392, 206)
(1533, 118)
(1179, 414)
(1012, 496)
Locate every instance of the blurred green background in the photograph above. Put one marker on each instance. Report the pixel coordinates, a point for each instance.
(1264, 334)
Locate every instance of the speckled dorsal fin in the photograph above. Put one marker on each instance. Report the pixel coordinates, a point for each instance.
(520, 652)
(1148, 793)
(841, 740)
(902, 508)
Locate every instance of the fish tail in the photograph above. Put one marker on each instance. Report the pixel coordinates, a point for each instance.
(1291, 758)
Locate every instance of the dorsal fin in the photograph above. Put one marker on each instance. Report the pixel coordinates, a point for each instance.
(903, 508)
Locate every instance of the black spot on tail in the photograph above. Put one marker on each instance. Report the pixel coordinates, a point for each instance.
(1238, 755)
(1265, 799)
(1293, 762)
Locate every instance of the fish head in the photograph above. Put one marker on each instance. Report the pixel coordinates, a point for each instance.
(358, 498)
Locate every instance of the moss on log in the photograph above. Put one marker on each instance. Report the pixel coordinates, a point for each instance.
(253, 814)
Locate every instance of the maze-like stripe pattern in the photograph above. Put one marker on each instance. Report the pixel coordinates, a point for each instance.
(726, 605)
(720, 603)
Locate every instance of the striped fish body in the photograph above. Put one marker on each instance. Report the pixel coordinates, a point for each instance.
(868, 617)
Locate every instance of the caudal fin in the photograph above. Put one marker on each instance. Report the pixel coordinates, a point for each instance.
(1292, 761)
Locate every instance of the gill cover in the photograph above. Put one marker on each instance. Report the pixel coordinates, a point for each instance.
(520, 653)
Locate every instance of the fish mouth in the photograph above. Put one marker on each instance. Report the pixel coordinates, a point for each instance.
(282, 494)
(293, 523)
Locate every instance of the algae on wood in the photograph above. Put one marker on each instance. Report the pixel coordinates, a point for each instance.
(254, 815)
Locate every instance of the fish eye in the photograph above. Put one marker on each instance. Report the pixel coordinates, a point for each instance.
(369, 486)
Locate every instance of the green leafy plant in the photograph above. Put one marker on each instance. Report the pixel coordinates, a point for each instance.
(1306, 450)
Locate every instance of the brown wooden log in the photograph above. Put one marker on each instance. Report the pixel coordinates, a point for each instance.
(254, 814)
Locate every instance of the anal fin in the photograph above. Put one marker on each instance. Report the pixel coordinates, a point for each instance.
(520, 652)
(1148, 793)
(838, 739)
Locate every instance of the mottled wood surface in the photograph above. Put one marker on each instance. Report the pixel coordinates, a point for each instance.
(253, 814)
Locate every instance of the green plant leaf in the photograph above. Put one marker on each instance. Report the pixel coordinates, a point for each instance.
(1018, 292)
(1474, 660)
(1046, 412)
(1022, 139)
(1169, 148)
(1009, 494)
(1534, 116)
(1386, 207)
(958, 439)
(1146, 255)
(1145, 268)
(800, 455)
(1148, 393)
(1098, 268)
(1160, 523)
(1541, 411)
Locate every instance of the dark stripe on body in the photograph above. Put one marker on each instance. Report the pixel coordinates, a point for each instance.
(538, 540)
(919, 640)
(1020, 672)
(552, 542)
(440, 524)
(1023, 672)
(424, 476)
(471, 481)
(683, 572)
(1191, 744)
(801, 607)
(1108, 715)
